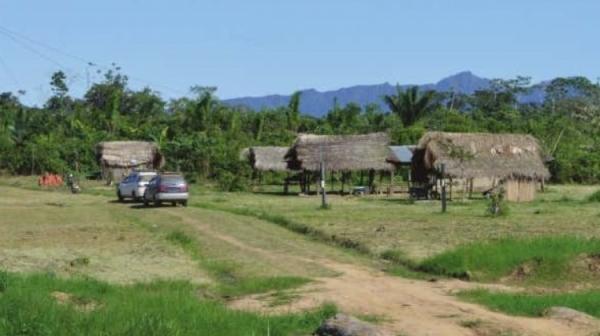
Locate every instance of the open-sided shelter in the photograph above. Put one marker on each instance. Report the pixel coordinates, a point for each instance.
(340, 153)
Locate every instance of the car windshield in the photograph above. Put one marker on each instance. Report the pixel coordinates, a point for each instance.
(173, 179)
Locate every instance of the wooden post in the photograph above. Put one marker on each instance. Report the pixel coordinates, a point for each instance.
(371, 180)
(443, 196)
(322, 185)
(286, 183)
(471, 187)
(543, 185)
(343, 181)
(332, 181)
(391, 184)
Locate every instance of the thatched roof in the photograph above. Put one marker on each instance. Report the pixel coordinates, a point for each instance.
(129, 154)
(340, 152)
(268, 158)
(469, 155)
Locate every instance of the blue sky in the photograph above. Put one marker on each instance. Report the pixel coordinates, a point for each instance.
(249, 48)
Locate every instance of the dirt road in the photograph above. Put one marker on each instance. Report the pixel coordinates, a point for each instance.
(407, 307)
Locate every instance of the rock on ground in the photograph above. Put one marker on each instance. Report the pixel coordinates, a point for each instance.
(571, 316)
(344, 325)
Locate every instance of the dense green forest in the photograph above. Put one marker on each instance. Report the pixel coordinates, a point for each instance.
(202, 137)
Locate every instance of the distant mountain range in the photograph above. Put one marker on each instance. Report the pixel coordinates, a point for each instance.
(317, 103)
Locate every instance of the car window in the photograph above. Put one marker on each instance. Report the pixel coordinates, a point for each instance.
(173, 179)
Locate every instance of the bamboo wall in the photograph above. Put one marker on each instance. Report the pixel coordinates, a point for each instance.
(520, 190)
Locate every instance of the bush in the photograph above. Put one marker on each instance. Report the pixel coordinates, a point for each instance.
(228, 181)
(595, 197)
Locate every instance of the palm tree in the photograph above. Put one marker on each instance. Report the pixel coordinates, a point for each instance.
(409, 104)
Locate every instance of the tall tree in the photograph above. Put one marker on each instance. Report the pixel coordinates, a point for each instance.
(293, 111)
(410, 105)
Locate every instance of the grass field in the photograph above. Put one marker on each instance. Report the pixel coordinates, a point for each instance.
(228, 245)
(46, 305)
(419, 230)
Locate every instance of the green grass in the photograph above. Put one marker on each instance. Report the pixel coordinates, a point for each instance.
(535, 304)
(491, 260)
(375, 224)
(254, 285)
(159, 308)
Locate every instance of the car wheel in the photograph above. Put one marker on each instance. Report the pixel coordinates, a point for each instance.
(146, 202)
(184, 203)
(119, 196)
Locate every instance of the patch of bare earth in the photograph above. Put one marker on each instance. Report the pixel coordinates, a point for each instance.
(411, 307)
(78, 303)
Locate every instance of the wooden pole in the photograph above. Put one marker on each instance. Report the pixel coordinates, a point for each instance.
(443, 188)
(371, 180)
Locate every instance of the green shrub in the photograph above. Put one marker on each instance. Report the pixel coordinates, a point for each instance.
(228, 181)
(497, 206)
(595, 197)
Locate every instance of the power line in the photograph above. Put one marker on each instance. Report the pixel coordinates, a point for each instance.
(43, 45)
(15, 36)
(33, 50)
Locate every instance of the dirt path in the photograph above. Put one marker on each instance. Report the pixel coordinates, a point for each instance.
(408, 307)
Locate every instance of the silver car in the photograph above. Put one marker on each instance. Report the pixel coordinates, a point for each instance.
(134, 185)
(171, 188)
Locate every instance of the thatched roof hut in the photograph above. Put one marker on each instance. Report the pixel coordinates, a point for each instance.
(268, 158)
(471, 155)
(117, 158)
(340, 152)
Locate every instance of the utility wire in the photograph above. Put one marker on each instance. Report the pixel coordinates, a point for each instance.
(15, 36)
(43, 45)
(33, 50)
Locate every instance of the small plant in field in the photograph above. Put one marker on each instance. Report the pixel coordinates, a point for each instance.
(179, 237)
(497, 206)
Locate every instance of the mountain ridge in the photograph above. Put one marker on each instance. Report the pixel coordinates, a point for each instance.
(318, 103)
